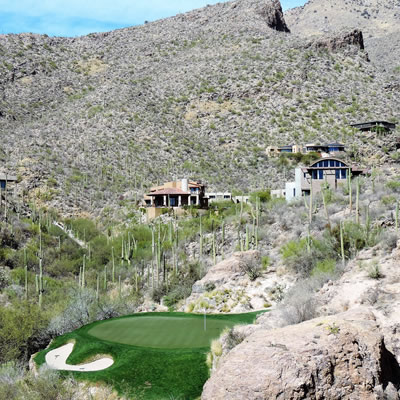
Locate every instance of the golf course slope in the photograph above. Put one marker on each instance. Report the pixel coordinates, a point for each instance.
(156, 355)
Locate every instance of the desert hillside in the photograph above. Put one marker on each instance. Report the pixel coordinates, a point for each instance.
(90, 121)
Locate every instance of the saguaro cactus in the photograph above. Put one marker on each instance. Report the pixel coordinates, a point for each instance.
(40, 282)
(342, 244)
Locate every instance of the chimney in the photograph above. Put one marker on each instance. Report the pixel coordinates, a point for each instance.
(185, 186)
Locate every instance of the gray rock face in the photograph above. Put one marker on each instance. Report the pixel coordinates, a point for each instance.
(272, 13)
(341, 41)
(337, 357)
(379, 21)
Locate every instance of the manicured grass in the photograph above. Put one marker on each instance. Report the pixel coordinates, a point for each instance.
(167, 361)
(171, 332)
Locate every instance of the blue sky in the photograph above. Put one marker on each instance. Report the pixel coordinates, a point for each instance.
(80, 17)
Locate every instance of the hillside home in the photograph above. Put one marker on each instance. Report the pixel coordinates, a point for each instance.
(218, 196)
(5, 180)
(323, 149)
(375, 126)
(174, 195)
(272, 151)
(330, 170)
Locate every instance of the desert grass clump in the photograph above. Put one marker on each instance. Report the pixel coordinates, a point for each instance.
(374, 271)
(216, 348)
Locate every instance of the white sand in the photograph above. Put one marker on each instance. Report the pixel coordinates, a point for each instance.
(56, 359)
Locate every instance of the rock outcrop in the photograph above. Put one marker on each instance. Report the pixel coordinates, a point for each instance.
(273, 15)
(336, 357)
(342, 40)
(380, 23)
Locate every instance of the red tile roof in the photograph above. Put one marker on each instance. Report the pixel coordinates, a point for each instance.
(168, 191)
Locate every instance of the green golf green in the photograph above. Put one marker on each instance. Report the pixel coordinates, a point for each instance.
(156, 355)
(161, 332)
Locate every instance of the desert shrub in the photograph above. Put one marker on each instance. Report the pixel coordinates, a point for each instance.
(355, 237)
(388, 240)
(394, 185)
(216, 347)
(176, 294)
(20, 323)
(4, 278)
(78, 312)
(10, 375)
(388, 200)
(302, 255)
(374, 271)
(299, 304)
(324, 267)
(158, 293)
(265, 262)
(47, 385)
(252, 268)
(263, 195)
(85, 228)
(233, 338)
(209, 286)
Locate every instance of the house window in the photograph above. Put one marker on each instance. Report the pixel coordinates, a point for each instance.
(343, 173)
(331, 163)
(314, 174)
(172, 202)
(321, 174)
(326, 163)
(337, 172)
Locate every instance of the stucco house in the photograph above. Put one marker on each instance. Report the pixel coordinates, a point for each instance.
(331, 170)
(6, 179)
(174, 195)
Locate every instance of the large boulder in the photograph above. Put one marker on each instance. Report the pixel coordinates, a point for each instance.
(273, 16)
(336, 357)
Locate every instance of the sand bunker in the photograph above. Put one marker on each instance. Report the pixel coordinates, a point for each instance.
(56, 359)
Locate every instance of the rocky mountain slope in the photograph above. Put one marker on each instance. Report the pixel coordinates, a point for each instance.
(378, 20)
(92, 121)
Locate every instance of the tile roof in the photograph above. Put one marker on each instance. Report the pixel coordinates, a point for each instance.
(168, 191)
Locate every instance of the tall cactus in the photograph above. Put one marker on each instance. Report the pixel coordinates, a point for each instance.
(311, 209)
(83, 271)
(98, 288)
(357, 200)
(342, 244)
(201, 238)
(350, 190)
(26, 282)
(323, 192)
(40, 282)
(113, 264)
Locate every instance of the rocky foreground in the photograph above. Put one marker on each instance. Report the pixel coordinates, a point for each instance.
(350, 352)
